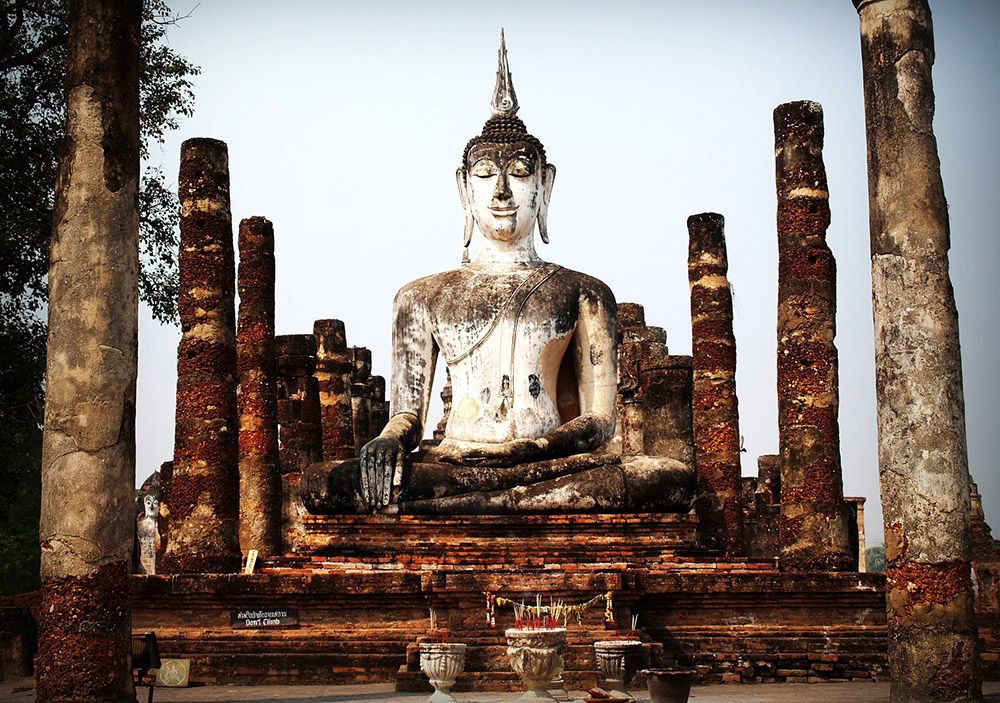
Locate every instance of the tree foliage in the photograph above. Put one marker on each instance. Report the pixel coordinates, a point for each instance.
(875, 559)
(32, 121)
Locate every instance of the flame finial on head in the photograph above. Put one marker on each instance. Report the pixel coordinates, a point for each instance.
(504, 100)
(504, 126)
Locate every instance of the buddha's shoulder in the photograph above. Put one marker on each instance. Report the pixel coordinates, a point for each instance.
(425, 289)
(431, 283)
(589, 286)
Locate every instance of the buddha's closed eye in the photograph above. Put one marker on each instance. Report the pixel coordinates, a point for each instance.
(484, 168)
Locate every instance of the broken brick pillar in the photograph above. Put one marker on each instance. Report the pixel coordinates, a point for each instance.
(856, 530)
(379, 416)
(769, 478)
(923, 464)
(334, 369)
(203, 525)
(361, 405)
(766, 542)
(986, 586)
(628, 433)
(664, 397)
(300, 433)
(260, 499)
(813, 524)
(715, 410)
(87, 527)
(654, 392)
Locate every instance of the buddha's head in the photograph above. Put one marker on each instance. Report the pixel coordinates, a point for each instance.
(505, 181)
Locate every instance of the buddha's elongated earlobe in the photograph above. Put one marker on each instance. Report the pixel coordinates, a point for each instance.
(463, 195)
(548, 178)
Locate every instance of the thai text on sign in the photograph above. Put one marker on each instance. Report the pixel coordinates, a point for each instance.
(254, 619)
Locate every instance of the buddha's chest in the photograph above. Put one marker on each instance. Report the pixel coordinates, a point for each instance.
(504, 348)
(514, 314)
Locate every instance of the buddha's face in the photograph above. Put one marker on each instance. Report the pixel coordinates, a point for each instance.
(151, 505)
(506, 186)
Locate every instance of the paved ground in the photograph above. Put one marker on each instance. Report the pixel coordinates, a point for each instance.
(21, 690)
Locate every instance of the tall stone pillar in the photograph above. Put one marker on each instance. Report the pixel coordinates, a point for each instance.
(203, 525)
(300, 436)
(813, 524)
(88, 449)
(334, 369)
(923, 464)
(256, 397)
(715, 410)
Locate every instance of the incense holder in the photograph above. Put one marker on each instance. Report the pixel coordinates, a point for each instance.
(617, 661)
(442, 662)
(536, 655)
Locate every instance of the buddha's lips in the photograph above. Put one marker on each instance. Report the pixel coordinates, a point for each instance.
(503, 212)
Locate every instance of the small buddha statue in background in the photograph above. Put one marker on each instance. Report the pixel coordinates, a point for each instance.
(531, 353)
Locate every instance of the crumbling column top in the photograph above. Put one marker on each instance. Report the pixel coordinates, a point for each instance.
(215, 151)
(712, 217)
(859, 5)
(800, 120)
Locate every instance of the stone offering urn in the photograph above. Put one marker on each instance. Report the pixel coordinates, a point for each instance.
(617, 661)
(442, 662)
(668, 685)
(536, 656)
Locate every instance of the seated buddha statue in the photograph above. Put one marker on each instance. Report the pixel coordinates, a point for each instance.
(531, 353)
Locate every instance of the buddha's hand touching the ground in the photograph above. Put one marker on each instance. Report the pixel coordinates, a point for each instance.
(381, 461)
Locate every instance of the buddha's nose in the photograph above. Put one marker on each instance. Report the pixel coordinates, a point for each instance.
(502, 191)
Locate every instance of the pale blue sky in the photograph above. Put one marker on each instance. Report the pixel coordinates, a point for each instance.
(345, 122)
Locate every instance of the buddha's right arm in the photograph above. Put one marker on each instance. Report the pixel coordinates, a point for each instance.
(405, 428)
(414, 356)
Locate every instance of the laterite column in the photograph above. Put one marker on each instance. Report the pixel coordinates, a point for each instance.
(715, 410)
(260, 497)
(923, 464)
(813, 523)
(203, 527)
(334, 370)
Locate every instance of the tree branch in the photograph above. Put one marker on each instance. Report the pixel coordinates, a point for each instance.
(27, 57)
(168, 20)
(12, 30)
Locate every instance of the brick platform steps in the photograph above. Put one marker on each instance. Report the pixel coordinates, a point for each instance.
(516, 541)
(729, 654)
(363, 587)
(665, 561)
(314, 656)
(734, 621)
